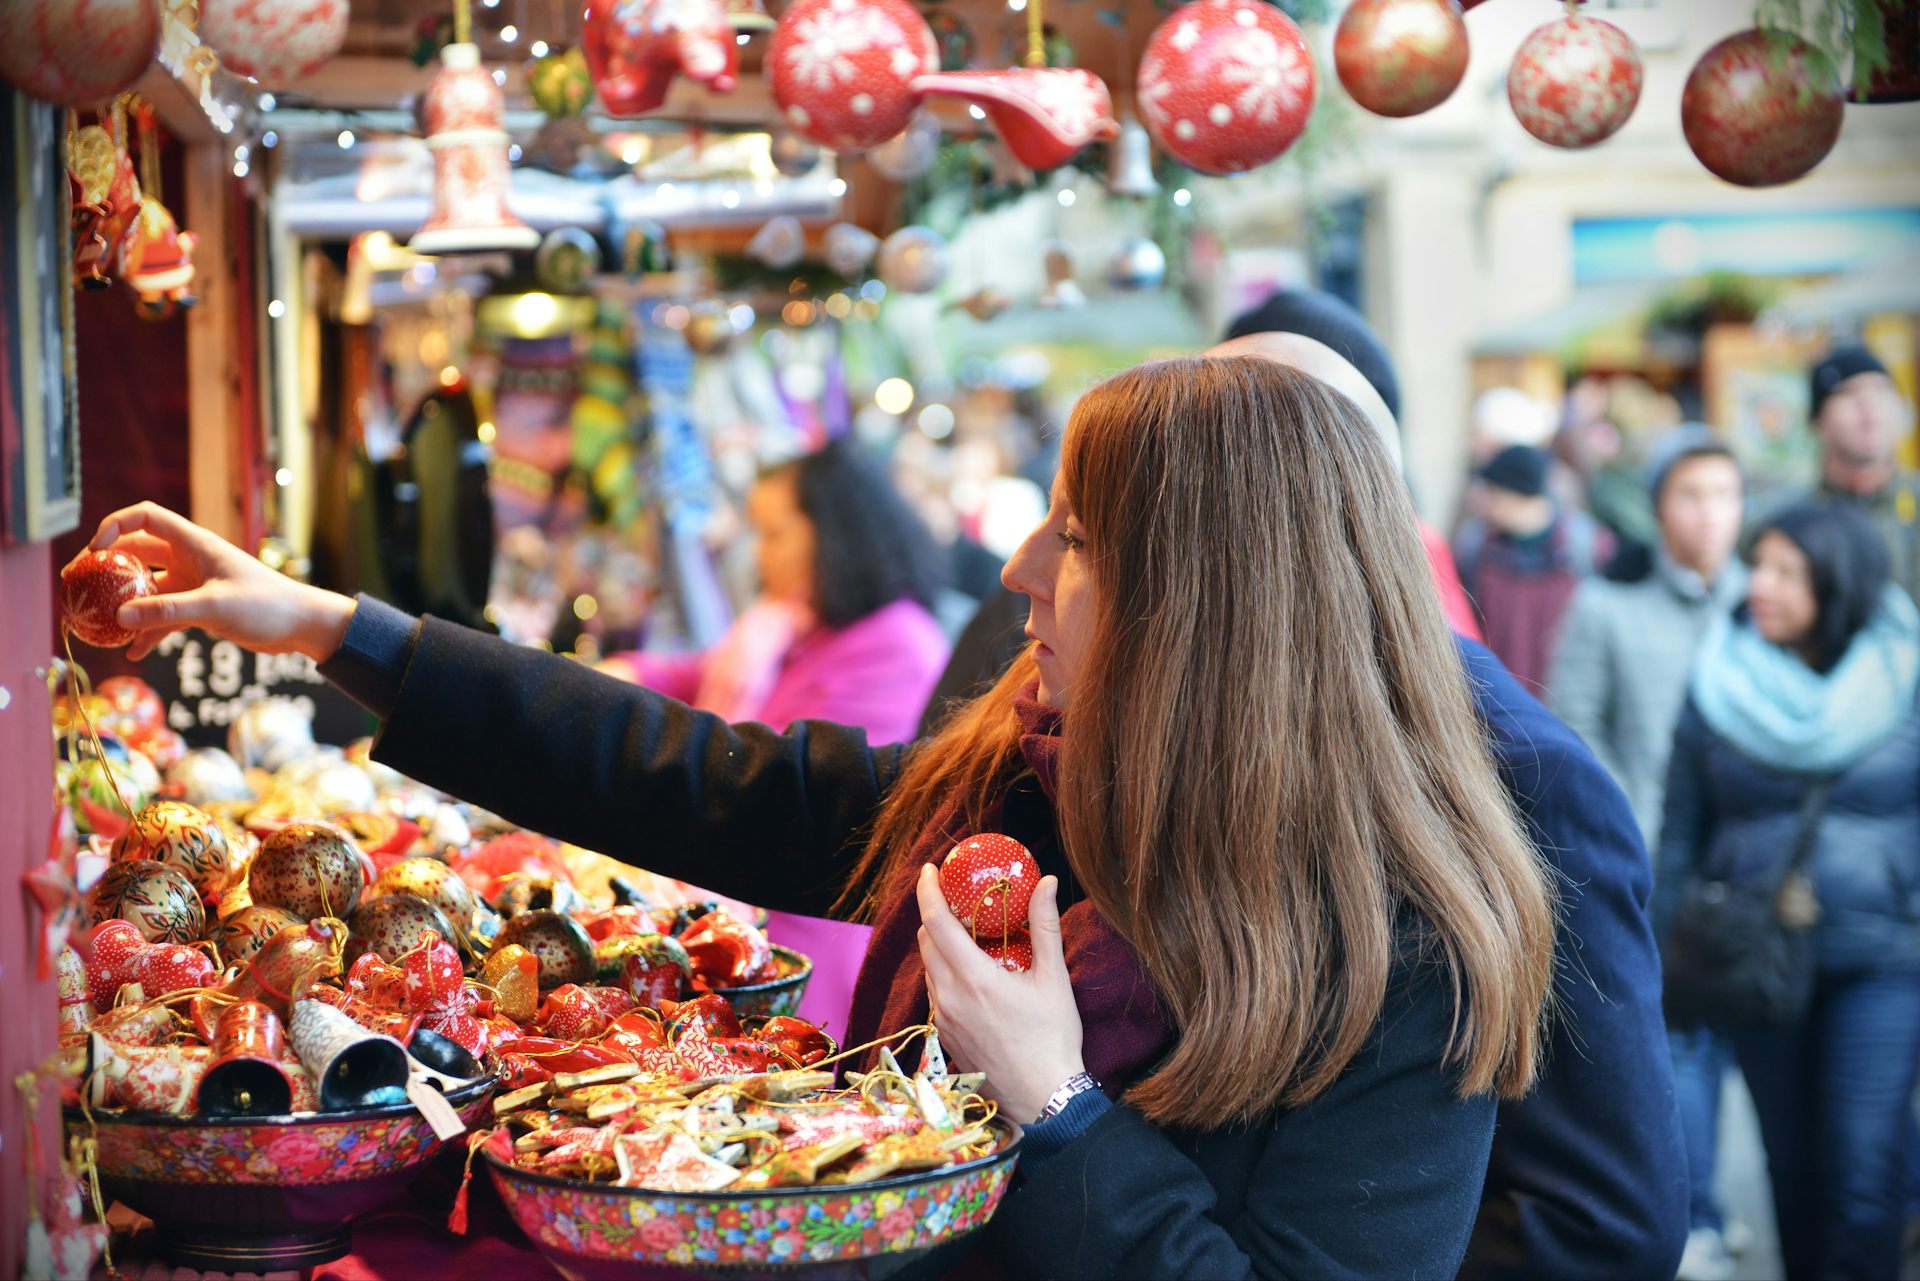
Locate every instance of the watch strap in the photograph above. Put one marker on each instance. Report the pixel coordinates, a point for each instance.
(1074, 1086)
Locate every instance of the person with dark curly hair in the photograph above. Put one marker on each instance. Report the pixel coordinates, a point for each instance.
(843, 629)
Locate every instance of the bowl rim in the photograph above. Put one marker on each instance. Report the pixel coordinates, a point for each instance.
(1015, 1133)
(800, 975)
(462, 1098)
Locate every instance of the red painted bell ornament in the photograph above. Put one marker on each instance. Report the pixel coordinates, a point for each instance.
(1761, 108)
(1575, 81)
(1045, 114)
(1226, 85)
(274, 41)
(842, 71)
(77, 53)
(463, 111)
(636, 47)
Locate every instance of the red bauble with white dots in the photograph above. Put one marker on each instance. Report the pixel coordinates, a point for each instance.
(1574, 82)
(1762, 108)
(842, 70)
(1401, 57)
(1226, 85)
(94, 586)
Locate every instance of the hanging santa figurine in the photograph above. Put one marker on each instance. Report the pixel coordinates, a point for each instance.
(1574, 81)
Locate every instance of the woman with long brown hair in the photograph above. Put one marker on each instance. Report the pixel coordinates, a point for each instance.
(1290, 923)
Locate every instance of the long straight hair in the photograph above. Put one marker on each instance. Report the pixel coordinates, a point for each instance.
(1271, 767)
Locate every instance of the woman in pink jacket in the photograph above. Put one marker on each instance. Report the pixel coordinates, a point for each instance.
(843, 629)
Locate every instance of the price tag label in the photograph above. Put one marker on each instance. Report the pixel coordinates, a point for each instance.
(433, 1105)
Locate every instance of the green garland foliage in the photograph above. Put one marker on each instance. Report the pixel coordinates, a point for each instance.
(1843, 30)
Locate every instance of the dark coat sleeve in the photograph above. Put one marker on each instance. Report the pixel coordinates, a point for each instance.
(1686, 826)
(1588, 1174)
(1376, 1178)
(553, 746)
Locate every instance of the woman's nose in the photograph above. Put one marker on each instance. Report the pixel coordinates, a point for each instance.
(1024, 571)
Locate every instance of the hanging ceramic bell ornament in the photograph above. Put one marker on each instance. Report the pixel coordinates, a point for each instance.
(1399, 58)
(1138, 263)
(248, 1075)
(560, 83)
(144, 1078)
(1130, 163)
(913, 260)
(749, 15)
(1226, 85)
(77, 53)
(1761, 108)
(1044, 114)
(1062, 290)
(1574, 82)
(911, 152)
(636, 47)
(463, 112)
(842, 70)
(351, 1067)
(849, 248)
(274, 41)
(779, 244)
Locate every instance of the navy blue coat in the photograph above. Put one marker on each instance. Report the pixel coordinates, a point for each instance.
(1588, 1175)
(1732, 817)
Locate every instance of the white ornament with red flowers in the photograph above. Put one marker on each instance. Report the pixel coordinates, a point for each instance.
(843, 70)
(1575, 81)
(1226, 85)
(274, 41)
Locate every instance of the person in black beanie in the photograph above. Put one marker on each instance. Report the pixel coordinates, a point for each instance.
(1522, 561)
(1860, 416)
(1325, 319)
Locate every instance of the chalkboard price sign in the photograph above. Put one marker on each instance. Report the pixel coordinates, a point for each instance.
(205, 682)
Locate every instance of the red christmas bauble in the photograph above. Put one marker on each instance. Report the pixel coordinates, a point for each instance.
(1574, 82)
(1226, 85)
(843, 70)
(274, 41)
(75, 53)
(1401, 57)
(987, 881)
(1762, 108)
(94, 586)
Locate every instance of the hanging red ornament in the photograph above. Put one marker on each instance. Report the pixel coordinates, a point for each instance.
(471, 173)
(1762, 108)
(274, 41)
(1226, 85)
(77, 53)
(106, 198)
(843, 70)
(636, 47)
(1401, 57)
(1574, 82)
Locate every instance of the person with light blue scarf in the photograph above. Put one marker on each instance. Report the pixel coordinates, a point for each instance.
(1816, 677)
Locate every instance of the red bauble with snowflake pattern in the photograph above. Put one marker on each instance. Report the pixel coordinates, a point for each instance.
(1401, 57)
(842, 71)
(1574, 82)
(1226, 85)
(1762, 108)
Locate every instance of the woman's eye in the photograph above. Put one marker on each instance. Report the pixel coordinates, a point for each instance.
(1068, 541)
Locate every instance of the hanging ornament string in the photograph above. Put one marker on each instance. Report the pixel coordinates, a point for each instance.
(1036, 36)
(80, 696)
(462, 22)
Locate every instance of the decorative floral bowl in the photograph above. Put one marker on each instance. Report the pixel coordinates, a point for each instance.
(598, 1232)
(256, 1194)
(780, 995)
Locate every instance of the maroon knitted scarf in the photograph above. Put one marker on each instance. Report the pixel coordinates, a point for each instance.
(1126, 1029)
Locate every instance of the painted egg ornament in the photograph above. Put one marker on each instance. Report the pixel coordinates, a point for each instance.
(243, 933)
(843, 70)
(310, 869)
(205, 775)
(988, 881)
(77, 53)
(95, 802)
(1399, 58)
(557, 941)
(1226, 85)
(1762, 108)
(183, 837)
(1574, 82)
(93, 587)
(161, 745)
(393, 925)
(159, 900)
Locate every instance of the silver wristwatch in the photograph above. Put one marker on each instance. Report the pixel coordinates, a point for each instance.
(1076, 1085)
